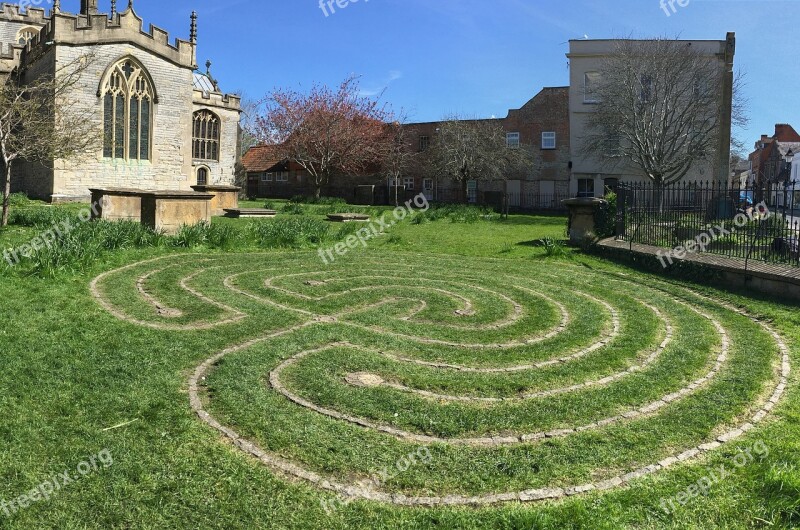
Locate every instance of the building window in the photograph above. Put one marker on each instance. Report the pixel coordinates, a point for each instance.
(585, 187)
(205, 136)
(646, 92)
(266, 177)
(590, 82)
(424, 143)
(512, 139)
(472, 191)
(611, 185)
(202, 176)
(282, 176)
(25, 35)
(548, 140)
(408, 182)
(127, 112)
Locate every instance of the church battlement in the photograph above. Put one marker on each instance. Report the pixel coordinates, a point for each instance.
(99, 28)
(123, 27)
(32, 15)
(217, 99)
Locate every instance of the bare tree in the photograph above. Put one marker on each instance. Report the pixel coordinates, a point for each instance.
(659, 107)
(41, 121)
(465, 150)
(326, 132)
(249, 130)
(740, 115)
(399, 157)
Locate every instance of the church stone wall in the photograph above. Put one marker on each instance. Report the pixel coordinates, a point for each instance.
(9, 30)
(222, 172)
(170, 167)
(32, 177)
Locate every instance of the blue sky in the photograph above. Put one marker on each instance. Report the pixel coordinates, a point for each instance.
(473, 57)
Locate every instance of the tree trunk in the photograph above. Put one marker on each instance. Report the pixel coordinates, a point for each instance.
(6, 195)
(505, 206)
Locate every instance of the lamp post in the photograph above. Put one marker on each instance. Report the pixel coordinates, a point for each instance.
(788, 170)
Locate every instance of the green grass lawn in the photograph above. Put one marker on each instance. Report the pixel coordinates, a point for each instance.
(411, 369)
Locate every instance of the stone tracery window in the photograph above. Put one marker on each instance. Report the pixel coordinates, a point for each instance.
(205, 136)
(128, 97)
(25, 35)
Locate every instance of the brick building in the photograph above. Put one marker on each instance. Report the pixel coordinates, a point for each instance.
(541, 125)
(164, 125)
(768, 161)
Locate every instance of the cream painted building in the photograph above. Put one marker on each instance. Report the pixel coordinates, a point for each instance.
(590, 176)
(164, 125)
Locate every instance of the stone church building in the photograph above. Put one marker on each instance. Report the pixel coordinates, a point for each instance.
(164, 125)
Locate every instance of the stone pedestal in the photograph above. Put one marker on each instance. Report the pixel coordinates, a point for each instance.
(581, 218)
(167, 211)
(225, 197)
(117, 204)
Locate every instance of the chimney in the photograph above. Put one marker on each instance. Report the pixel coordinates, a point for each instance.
(89, 7)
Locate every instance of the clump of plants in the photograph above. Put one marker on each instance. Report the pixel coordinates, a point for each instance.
(293, 208)
(288, 233)
(553, 248)
(456, 213)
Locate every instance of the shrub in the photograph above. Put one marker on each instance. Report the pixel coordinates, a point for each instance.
(605, 217)
(552, 247)
(323, 201)
(192, 236)
(18, 199)
(293, 209)
(38, 216)
(288, 233)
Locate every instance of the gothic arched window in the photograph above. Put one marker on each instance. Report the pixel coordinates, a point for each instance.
(128, 96)
(27, 34)
(202, 176)
(205, 136)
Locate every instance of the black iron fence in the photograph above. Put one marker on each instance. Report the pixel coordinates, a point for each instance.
(747, 222)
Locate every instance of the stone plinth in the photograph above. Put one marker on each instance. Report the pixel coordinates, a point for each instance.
(117, 204)
(237, 213)
(167, 211)
(348, 217)
(581, 218)
(225, 197)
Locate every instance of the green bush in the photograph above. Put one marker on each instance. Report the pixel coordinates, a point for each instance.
(18, 199)
(322, 201)
(456, 213)
(293, 209)
(605, 217)
(552, 247)
(39, 216)
(288, 233)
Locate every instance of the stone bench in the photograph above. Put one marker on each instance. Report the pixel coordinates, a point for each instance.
(348, 217)
(166, 211)
(237, 213)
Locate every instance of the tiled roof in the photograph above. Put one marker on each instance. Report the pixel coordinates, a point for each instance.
(261, 158)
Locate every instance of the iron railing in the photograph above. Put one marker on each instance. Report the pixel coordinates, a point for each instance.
(745, 222)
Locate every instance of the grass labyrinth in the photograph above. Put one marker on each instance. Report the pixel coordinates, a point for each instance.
(523, 380)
